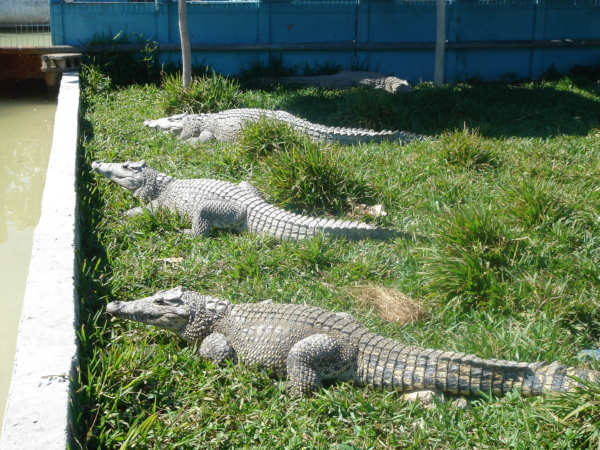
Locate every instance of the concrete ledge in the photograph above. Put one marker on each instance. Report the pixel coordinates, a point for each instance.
(303, 46)
(38, 412)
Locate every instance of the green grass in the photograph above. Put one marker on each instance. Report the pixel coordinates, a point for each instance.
(508, 193)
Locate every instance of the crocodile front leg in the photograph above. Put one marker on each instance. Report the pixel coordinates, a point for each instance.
(153, 206)
(205, 136)
(215, 347)
(316, 358)
(217, 214)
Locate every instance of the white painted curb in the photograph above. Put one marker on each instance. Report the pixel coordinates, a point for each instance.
(38, 412)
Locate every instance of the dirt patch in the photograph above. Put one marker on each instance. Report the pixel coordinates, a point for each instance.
(393, 305)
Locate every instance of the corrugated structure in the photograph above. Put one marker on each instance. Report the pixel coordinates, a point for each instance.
(24, 22)
(489, 39)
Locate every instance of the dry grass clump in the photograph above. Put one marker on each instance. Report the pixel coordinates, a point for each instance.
(393, 305)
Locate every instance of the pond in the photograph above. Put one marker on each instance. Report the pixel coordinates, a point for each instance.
(26, 126)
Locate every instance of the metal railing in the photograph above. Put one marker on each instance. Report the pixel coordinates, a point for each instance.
(24, 23)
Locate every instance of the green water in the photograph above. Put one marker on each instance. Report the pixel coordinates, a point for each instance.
(26, 127)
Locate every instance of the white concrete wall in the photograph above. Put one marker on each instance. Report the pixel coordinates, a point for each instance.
(38, 410)
(24, 12)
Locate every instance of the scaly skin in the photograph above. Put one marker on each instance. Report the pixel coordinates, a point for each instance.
(309, 345)
(219, 204)
(343, 80)
(226, 126)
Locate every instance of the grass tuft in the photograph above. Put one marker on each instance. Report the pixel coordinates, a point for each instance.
(265, 136)
(306, 177)
(537, 203)
(207, 94)
(467, 149)
(329, 67)
(475, 259)
(94, 82)
(273, 68)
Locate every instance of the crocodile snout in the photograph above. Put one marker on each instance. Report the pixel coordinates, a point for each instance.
(113, 307)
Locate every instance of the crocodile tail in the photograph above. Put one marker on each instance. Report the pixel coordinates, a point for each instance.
(322, 81)
(283, 81)
(386, 364)
(343, 136)
(352, 230)
(341, 80)
(265, 218)
(350, 136)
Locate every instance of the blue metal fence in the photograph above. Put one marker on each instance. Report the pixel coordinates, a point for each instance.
(489, 39)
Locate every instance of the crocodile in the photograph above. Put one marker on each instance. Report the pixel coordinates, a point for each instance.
(342, 80)
(309, 345)
(226, 126)
(212, 203)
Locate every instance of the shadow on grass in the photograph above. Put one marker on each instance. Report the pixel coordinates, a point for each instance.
(94, 266)
(496, 110)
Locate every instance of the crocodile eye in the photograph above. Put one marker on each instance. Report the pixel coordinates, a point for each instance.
(160, 301)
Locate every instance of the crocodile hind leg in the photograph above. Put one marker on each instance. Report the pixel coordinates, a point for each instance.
(251, 189)
(316, 358)
(215, 347)
(217, 214)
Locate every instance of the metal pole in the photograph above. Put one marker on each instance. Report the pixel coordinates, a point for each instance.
(440, 40)
(186, 54)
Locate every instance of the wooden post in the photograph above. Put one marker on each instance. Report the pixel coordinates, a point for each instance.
(186, 54)
(440, 42)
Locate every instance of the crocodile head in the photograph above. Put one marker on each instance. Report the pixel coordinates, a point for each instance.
(397, 85)
(129, 174)
(165, 309)
(186, 313)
